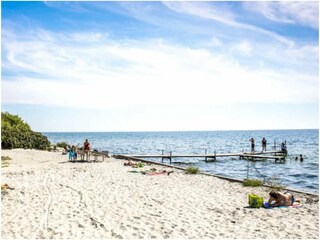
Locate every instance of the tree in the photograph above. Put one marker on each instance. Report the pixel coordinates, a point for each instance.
(15, 133)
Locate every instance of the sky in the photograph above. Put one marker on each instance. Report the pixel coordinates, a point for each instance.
(161, 66)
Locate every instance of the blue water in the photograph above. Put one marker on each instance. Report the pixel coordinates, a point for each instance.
(294, 174)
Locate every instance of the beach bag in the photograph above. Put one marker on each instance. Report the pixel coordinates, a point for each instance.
(255, 201)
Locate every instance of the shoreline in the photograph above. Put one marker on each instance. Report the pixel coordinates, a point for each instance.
(53, 198)
(210, 174)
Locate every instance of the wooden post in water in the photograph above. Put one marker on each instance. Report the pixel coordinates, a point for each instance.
(248, 169)
(205, 152)
(241, 156)
(162, 157)
(170, 156)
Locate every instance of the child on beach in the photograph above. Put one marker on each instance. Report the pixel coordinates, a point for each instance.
(71, 153)
(75, 150)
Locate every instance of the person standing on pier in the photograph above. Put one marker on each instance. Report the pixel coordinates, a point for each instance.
(284, 148)
(264, 144)
(252, 144)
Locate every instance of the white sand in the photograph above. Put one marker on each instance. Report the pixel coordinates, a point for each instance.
(56, 199)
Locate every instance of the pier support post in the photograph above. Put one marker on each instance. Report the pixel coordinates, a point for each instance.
(205, 152)
(241, 156)
(170, 156)
(162, 157)
(247, 168)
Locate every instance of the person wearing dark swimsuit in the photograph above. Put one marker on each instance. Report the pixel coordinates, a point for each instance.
(281, 199)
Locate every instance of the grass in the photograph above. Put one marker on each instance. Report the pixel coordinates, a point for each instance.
(4, 161)
(252, 183)
(192, 170)
(5, 158)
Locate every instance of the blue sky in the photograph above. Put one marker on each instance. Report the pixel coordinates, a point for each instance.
(161, 66)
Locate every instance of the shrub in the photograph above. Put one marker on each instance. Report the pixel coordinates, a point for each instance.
(15, 133)
(192, 170)
(252, 183)
(62, 145)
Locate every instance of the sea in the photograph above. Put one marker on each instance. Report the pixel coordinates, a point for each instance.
(292, 173)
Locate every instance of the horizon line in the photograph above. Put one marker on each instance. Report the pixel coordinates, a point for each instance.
(144, 131)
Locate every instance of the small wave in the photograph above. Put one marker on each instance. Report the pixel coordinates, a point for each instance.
(184, 163)
(311, 176)
(299, 182)
(295, 175)
(312, 164)
(312, 187)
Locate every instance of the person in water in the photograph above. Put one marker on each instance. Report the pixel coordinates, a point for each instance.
(281, 199)
(301, 158)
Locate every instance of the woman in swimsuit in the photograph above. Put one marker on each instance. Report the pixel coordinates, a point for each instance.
(281, 199)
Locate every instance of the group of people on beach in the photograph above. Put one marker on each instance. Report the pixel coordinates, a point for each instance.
(73, 151)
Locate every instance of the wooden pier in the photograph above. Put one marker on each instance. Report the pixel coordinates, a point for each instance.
(251, 156)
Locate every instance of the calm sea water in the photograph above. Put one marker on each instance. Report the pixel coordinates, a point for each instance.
(294, 174)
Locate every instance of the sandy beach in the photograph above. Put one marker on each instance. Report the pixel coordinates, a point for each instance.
(55, 199)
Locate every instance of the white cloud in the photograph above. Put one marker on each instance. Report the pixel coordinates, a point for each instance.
(220, 13)
(63, 70)
(244, 48)
(204, 9)
(300, 12)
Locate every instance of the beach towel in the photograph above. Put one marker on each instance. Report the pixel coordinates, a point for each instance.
(157, 173)
(152, 172)
(295, 204)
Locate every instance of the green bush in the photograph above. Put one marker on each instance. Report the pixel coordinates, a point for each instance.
(252, 183)
(192, 170)
(62, 145)
(15, 133)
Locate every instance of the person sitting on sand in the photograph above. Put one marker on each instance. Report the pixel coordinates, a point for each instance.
(281, 199)
(130, 163)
